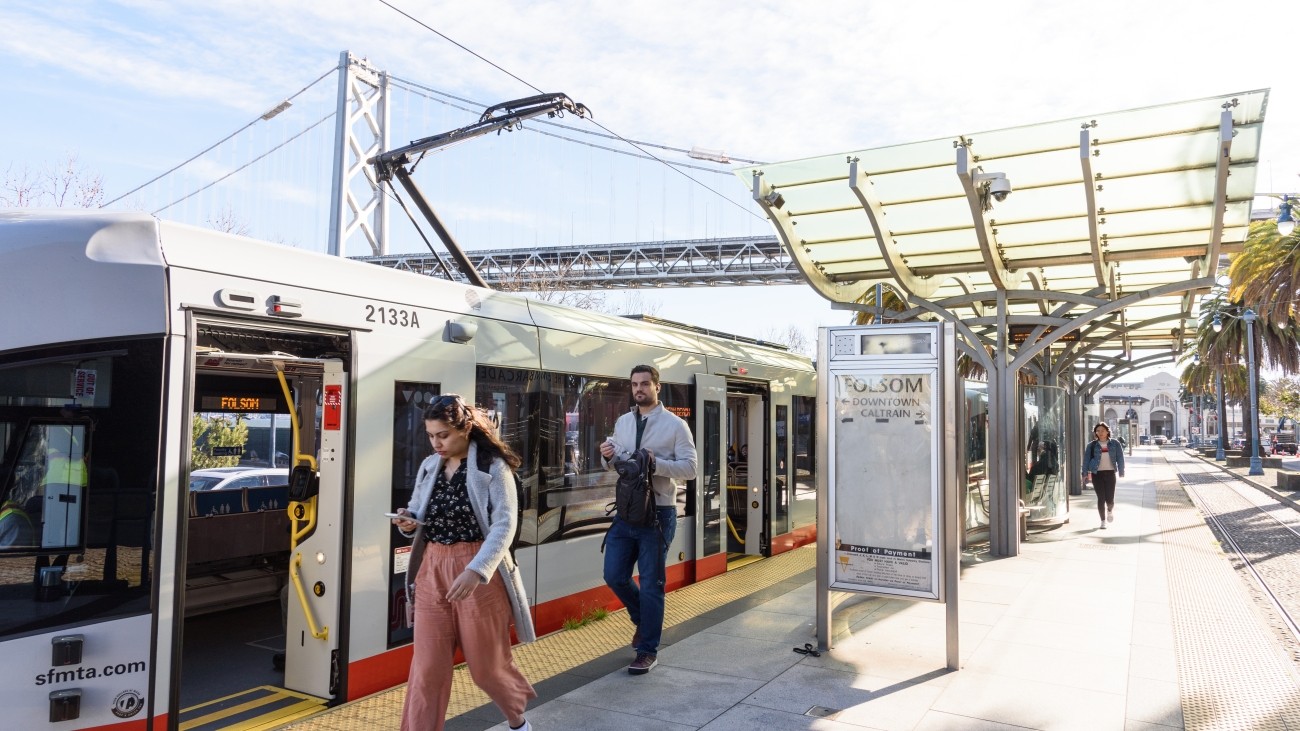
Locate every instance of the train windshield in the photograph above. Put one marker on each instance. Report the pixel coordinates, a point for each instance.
(79, 445)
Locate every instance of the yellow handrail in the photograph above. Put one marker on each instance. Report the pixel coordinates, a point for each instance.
(734, 534)
(308, 524)
(321, 633)
(309, 507)
(293, 418)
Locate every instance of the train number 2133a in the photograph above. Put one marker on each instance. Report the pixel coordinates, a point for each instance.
(392, 316)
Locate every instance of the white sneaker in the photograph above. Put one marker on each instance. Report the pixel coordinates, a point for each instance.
(1103, 525)
(526, 727)
(1110, 515)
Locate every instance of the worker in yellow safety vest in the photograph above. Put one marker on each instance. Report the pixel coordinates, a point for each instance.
(16, 527)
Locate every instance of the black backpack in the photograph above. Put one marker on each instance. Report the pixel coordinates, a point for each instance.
(634, 500)
(521, 495)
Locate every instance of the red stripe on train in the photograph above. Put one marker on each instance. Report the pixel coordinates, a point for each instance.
(140, 724)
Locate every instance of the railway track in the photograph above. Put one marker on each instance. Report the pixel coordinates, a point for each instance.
(1260, 535)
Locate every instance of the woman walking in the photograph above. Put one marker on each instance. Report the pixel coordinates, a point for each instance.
(462, 585)
(1103, 460)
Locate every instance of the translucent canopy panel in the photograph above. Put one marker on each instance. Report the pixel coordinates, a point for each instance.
(1101, 206)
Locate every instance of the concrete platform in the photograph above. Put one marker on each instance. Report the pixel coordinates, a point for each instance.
(1142, 625)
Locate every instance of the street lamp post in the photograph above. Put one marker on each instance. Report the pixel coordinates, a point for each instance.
(1256, 464)
(1218, 413)
(1197, 418)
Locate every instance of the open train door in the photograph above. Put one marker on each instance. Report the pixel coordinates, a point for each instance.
(710, 404)
(316, 495)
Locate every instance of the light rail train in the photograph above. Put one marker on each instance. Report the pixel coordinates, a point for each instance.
(135, 351)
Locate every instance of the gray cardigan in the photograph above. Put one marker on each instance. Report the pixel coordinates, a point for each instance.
(669, 438)
(496, 506)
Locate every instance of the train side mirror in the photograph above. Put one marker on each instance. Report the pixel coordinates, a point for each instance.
(304, 483)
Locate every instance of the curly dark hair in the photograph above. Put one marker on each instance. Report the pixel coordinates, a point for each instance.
(456, 413)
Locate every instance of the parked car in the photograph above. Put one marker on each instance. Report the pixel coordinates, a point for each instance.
(1180, 440)
(1284, 448)
(235, 478)
(1144, 439)
(250, 460)
(1158, 440)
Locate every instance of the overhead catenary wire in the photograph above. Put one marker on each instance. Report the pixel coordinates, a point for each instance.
(593, 121)
(566, 127)
(246, 165)
(216, 144)
(413, 86)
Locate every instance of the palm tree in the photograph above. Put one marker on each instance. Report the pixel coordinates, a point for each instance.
(1218, 353)
(1267, 272)
(1265, 276)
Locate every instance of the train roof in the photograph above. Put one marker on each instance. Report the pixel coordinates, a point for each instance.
(99, 237)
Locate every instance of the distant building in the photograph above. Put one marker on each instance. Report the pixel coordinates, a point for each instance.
(1152, 408)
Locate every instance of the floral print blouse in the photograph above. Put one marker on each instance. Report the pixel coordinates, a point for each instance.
(450, 517)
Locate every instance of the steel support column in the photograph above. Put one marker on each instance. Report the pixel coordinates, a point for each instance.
(1003, 452)
(1075, 428)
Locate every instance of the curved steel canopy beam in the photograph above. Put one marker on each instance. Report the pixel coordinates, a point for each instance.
(1189, 299)
(964, 282)
(1070, 358)
(1100, 266)
(769, 199)
(1033, 349)
(1126, 367)
(993, 264)
(864, 190)
(1220, 189)
(961, 300)
(1038, 279)
(978, 354)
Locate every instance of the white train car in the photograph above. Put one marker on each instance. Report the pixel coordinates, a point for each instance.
(131, 346)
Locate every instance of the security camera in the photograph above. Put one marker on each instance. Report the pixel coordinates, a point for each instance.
(993, 185)
(999, 187)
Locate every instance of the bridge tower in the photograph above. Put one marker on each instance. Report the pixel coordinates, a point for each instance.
(358, 206)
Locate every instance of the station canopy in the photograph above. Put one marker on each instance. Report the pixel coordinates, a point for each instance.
(1100, 207)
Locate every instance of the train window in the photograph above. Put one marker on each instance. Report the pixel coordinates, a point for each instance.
(803, 505)
(781, 495)
(44, 506)
(410, 448)
(78, 481)
(556, 422)
(712, 459)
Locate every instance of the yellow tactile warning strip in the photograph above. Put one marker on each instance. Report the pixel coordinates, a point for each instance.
(562, 651)
(1231, 673)
(256, 709)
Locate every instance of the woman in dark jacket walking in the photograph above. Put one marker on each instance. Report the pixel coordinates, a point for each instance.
(1103, 460)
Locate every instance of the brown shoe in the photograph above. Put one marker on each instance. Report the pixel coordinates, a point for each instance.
(643, 664)
(636, 638)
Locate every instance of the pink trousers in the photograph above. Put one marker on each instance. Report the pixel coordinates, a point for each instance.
(479, 625)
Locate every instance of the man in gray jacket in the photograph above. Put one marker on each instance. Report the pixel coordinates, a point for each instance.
(651, 427)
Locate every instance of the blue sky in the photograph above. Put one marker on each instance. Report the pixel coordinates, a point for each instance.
(134, 87)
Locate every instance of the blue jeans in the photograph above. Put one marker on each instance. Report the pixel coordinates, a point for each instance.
(646, 548)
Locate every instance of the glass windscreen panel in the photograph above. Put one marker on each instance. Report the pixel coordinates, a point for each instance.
(1044, 490)
(78, 478)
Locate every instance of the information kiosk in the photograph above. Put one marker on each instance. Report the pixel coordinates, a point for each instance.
(887, 522)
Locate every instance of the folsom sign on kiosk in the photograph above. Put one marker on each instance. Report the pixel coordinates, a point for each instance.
(887, 525)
